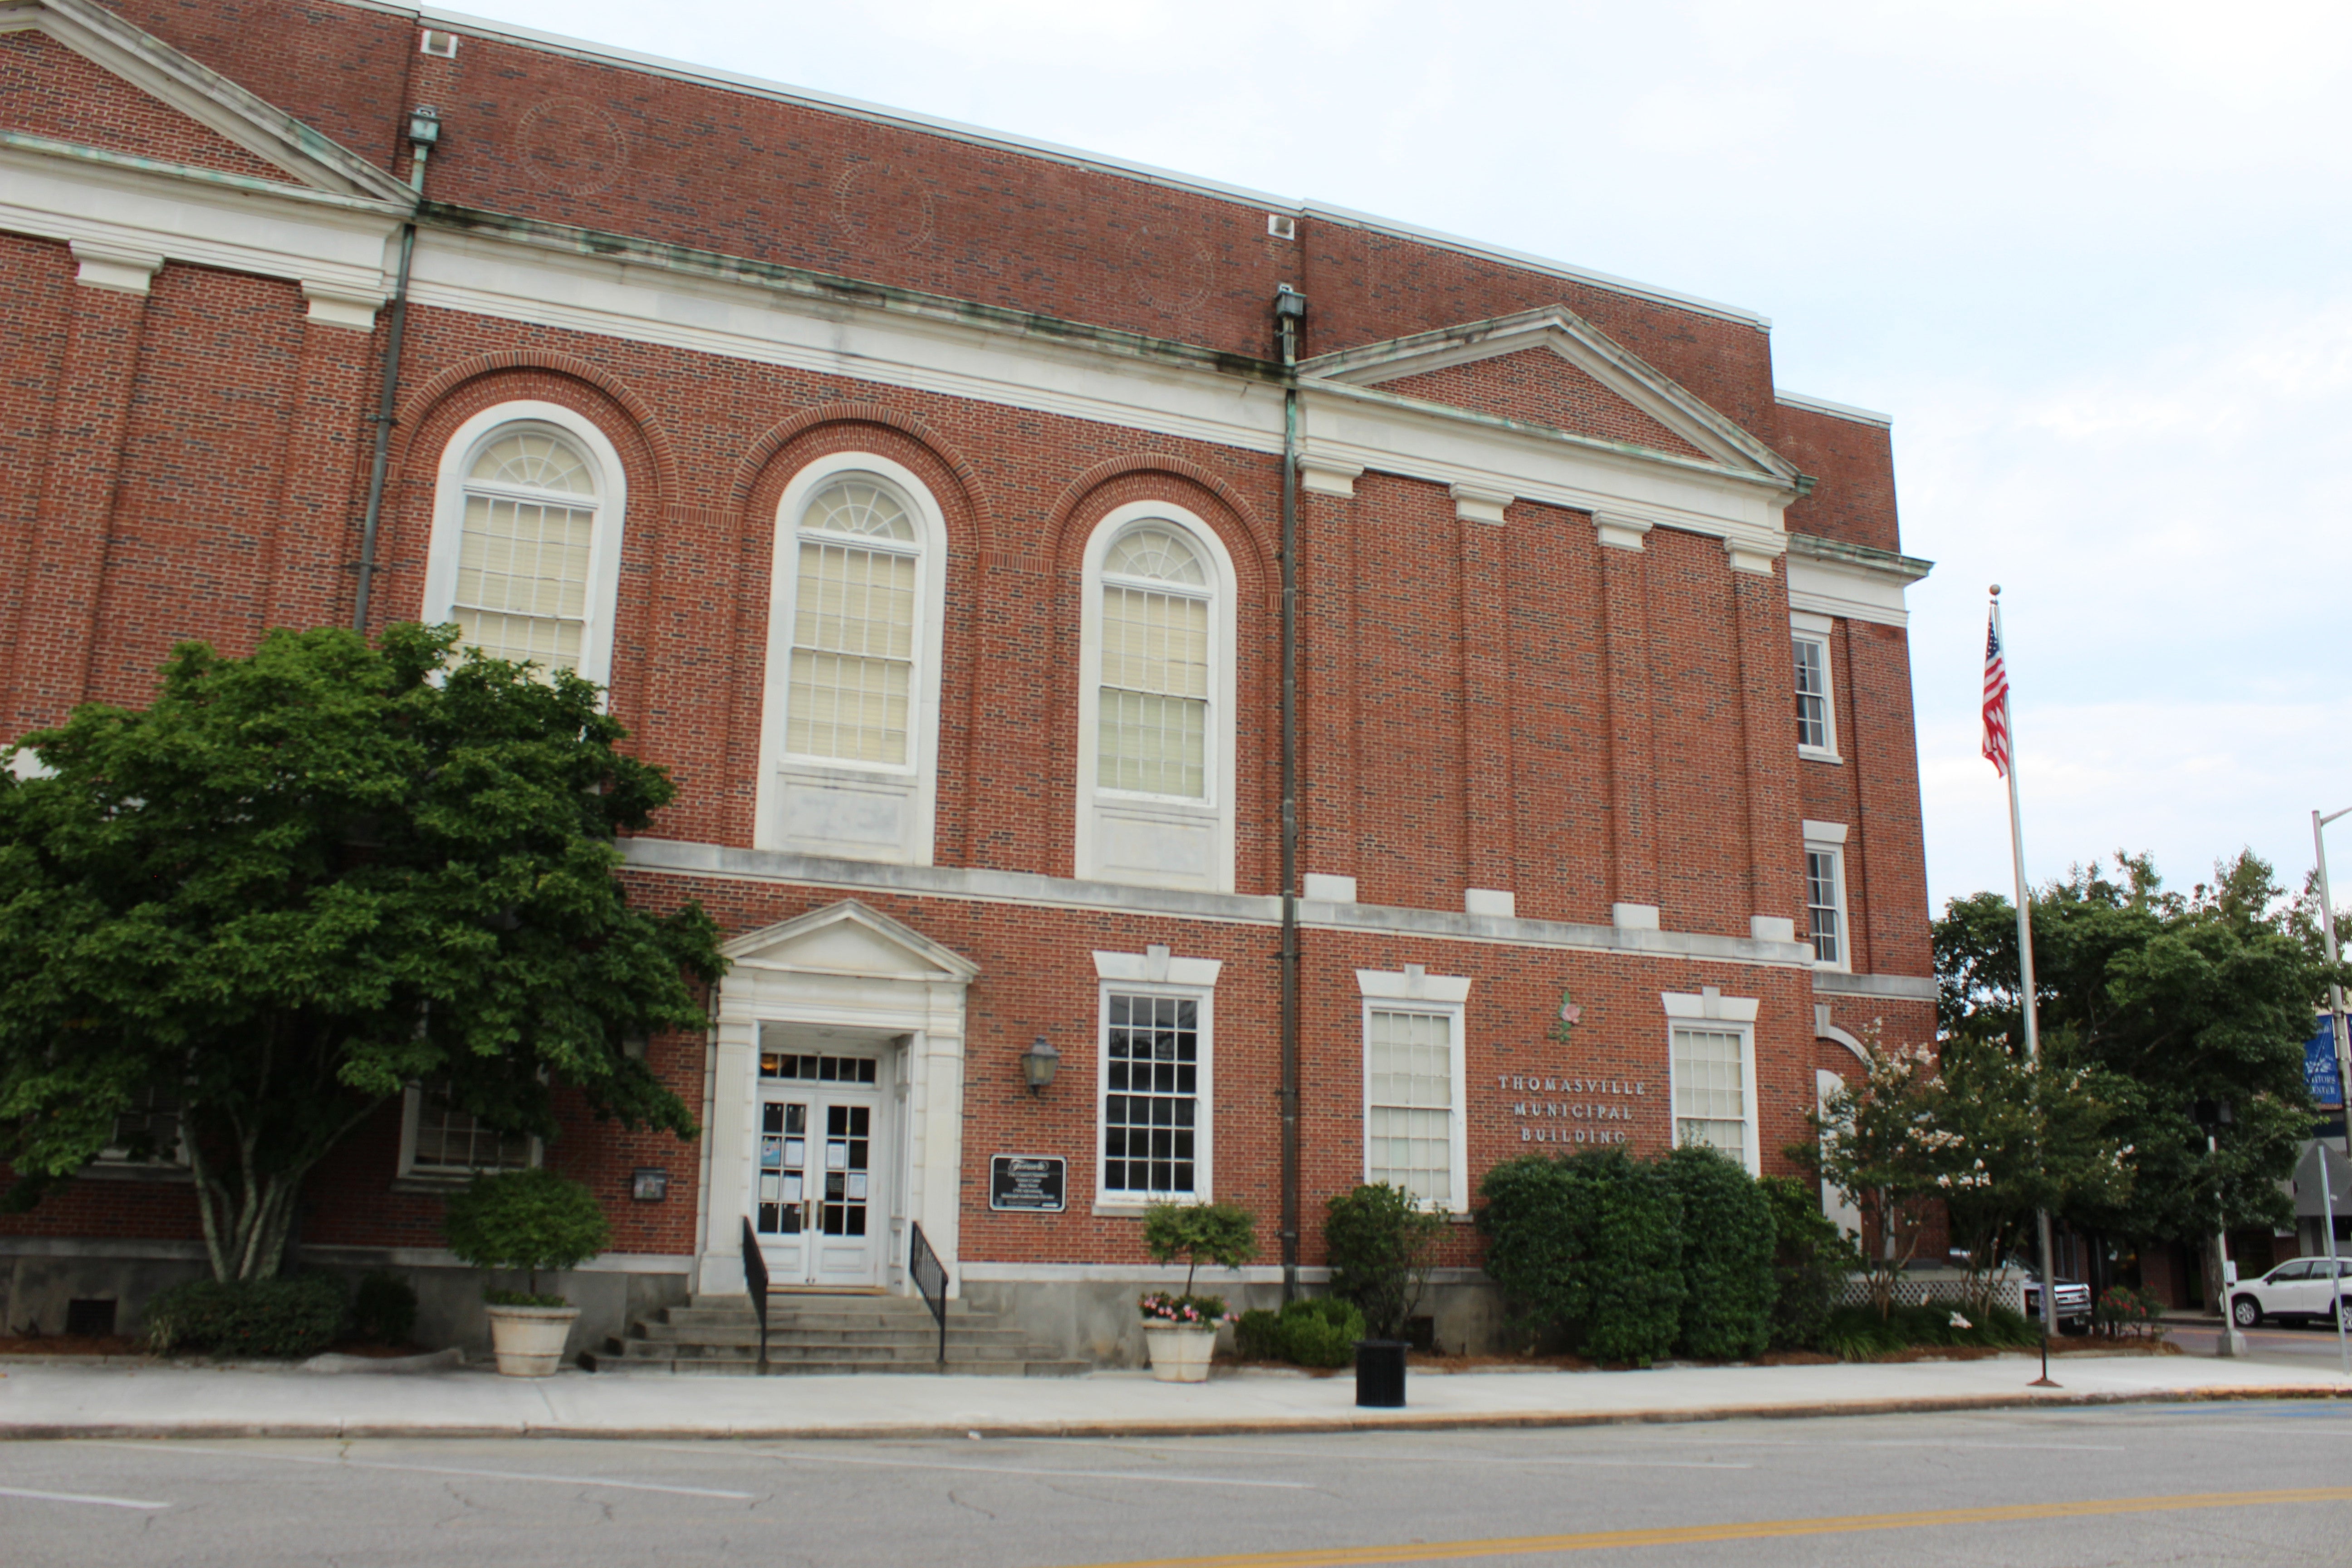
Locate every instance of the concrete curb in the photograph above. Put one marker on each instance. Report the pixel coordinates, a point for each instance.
(1208, 1427)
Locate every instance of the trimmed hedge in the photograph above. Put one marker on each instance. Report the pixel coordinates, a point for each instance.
(1728, 1237)
(383, 1310)
(1380, 1242)
(1810, 1257)
(288, 1318)
(1592, 1244)
(1257, 1336)
(1321, 1331)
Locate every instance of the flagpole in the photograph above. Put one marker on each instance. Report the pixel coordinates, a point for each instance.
(2025, 984)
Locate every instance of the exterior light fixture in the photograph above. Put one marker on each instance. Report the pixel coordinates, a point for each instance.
(1289, 302)
(1038, 1063)
(424, 127)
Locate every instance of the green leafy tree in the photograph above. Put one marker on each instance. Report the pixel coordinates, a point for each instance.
(301, 881)
(1879, 1144)
(1381, 1242)
(2172, 998)
(1221, 1234)
(530, 1220)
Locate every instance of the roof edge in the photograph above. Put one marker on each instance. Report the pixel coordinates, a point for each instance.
(1835, 410)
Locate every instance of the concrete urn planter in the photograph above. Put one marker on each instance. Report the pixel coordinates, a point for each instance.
(529, 1340)
(1180, 1352)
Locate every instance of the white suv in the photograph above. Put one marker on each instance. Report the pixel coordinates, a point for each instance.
(2298, 1289)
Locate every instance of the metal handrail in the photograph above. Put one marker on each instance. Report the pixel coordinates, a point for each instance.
(930, 1277)
(755, 1280)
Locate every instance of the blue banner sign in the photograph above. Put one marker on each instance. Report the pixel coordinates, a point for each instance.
(2319, 1066)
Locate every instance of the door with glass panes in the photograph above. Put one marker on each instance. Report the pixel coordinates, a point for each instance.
(817, 1199)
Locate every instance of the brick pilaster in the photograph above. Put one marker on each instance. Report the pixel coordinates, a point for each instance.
(1632, 763)
(1767, 722)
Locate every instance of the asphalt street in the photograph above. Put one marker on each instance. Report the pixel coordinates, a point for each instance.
(2306, 1347)
(2265, 1483)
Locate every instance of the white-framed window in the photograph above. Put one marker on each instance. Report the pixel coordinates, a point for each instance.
(1711, 1072)
(1825, 916)
(439, 1141)
(1156, 703)
(1414, 1094)
(147, 1135)
(526, 550)
(1809, 635)
(1156, 1038)
(850, 732)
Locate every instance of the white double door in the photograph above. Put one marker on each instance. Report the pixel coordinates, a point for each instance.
(819, 1171)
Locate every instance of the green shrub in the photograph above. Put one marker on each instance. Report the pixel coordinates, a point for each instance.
(1320, 1330)
(1591, 1243)
(286, 1319)
(1810, 1257)
(1221, 1234)
(1381, 1242)
(530, 1220)
(1258, 1335)
(384, 1309)
(1728, 1241)
(1859, 1334)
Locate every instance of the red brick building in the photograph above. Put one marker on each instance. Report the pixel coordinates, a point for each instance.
(921, 495)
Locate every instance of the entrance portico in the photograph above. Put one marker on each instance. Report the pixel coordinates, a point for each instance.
(834, 1116)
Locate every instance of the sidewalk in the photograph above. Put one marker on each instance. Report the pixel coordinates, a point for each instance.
(51, 1400)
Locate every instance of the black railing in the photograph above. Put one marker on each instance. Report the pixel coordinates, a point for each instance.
(930, 1277)
(755, 1280)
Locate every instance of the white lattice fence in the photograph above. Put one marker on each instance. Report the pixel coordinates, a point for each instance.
(2008, 1290)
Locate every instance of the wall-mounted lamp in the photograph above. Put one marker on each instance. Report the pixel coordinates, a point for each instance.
(1038, 1063)
(425, 126)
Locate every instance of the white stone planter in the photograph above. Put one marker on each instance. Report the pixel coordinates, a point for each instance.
(529, 1340)
(1180, 1352)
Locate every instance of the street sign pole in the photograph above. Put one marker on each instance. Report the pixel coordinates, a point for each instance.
(2335, 1273)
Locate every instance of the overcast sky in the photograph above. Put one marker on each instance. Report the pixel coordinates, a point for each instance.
(2090, 257)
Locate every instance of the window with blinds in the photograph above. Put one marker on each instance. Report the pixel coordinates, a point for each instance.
(523, 554)
(853, 659)
(1409, 1103)
(1153, 722)
(1711, 1089)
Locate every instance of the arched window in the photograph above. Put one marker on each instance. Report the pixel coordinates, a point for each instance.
(853, 665)
(526, 542)
(850, 737)
(1155, 706)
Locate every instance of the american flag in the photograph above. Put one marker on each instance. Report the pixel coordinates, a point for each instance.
(1996, 702)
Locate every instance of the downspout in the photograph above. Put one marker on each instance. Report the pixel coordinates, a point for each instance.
(427, 122)
(1289, 310)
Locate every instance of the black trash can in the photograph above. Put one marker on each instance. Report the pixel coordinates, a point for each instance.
(1379, 1373)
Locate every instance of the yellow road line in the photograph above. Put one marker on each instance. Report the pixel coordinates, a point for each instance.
(1754, 1529)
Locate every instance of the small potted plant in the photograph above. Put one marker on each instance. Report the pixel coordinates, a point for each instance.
(1181, 1331)
(530, 1220)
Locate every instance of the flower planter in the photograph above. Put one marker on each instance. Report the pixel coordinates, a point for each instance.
(1180, 1352)
(529, 1340)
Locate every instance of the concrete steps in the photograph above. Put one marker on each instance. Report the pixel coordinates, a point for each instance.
(835, 1334)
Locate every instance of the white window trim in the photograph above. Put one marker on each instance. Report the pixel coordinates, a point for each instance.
(412, 1107)
(1413, 990)
(1217, 811)
(1805, 626)
(604, 547)
(917, 777)
(1711, 1009)
(1829, 838)
(1155, 972)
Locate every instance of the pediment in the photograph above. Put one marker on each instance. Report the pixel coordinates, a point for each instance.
(849, 939)
(90, 79)
(1552, 368)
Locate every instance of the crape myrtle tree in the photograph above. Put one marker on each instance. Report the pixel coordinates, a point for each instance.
(2166, 999)
(302, 881)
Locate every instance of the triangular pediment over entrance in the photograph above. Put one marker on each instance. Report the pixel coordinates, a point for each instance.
(849, 938)
(1552, 368)
(75, 76)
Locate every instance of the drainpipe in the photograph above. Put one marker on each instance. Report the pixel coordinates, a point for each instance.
(1289, 311)
(424, 133)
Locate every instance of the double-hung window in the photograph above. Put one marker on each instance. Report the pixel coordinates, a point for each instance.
(147, 1133)
(439, 1139)
(1153, 733)
(1413, 1089)
(1711, 1066)
(1825, 902)
(853, 658)
(1156, 1039)
(1810, 637)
